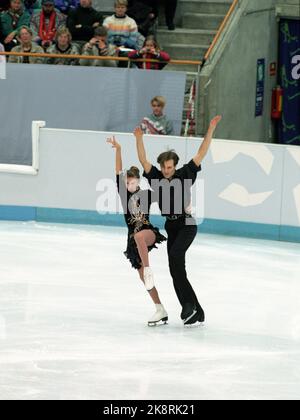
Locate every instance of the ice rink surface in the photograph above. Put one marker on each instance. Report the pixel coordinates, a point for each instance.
(73, 318)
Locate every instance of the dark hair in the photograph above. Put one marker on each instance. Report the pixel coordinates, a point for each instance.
(169, 155)
(153, 39)
(100, 31)
(133, 172)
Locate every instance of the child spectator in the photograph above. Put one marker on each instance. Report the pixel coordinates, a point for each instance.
(150, 50)
(122, 30)
(157, 123)
(26, 45)
(98, 45)
(11, 20)
(45, 23)
(82, 21)
(63, 45)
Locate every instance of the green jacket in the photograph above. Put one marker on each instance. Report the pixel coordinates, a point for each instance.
(6, 20)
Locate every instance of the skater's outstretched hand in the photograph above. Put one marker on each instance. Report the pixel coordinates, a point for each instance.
(114, 144)
(207, 140)
(215, 121)
(138, 133)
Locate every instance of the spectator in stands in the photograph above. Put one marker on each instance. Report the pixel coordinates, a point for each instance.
(99, 45)
(82, 22)
(25, 35)
(32, 6)
(145, 13)
(64, 6)
(157, 123)
(150, 50)
(63, 45)
(122, 30)
(11, 20)
(45, 23)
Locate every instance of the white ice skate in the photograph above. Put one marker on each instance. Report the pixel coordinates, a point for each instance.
(160, 316)
(148, 278)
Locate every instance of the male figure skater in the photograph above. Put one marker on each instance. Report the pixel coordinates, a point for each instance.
(173, 194)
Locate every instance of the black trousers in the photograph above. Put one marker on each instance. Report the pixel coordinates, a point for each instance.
(180, 238)
(170, 10)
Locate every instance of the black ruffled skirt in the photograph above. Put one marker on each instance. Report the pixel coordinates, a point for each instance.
(132, 253)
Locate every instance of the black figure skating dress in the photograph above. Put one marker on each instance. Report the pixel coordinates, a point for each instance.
(136, 208)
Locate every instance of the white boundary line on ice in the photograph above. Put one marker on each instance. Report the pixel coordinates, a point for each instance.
(25, 169)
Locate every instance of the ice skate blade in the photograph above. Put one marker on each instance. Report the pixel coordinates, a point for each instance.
(195, 325)
(163, 321)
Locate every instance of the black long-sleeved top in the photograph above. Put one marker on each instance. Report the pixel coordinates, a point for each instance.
(136, 206)
(85, 17)
(173, 195)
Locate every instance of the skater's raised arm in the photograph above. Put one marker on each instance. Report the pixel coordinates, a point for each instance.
(138, 133)
(207, 140)
(117, 146)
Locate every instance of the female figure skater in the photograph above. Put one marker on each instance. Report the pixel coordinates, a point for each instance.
(142, 236)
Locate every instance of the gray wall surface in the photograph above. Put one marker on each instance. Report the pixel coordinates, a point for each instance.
(228, 80)
(87, 98)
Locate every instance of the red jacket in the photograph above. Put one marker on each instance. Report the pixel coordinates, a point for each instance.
(162, 56)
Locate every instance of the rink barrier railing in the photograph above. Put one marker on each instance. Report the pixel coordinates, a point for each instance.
(100, 58)
(221, 30)
(26, 169)
(66, 213)
(89, 217)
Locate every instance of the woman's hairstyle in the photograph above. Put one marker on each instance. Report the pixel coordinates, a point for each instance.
(26, 28)
(169, 155)
(133, 172)
(63, 31)
(121, 3)
(160, 100)
(152, 39)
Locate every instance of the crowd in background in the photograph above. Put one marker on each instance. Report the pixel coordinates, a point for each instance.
(74, 27)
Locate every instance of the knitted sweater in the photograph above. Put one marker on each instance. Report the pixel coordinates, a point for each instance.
(157, 125)
(122, 31)
(60, 20)
(71, 50)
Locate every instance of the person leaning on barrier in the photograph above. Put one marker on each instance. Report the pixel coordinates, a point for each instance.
(150, 50)
(157, 123)
(11, 20)
(63, 45)
(26, 45)
(44, 23)
(99, 45)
